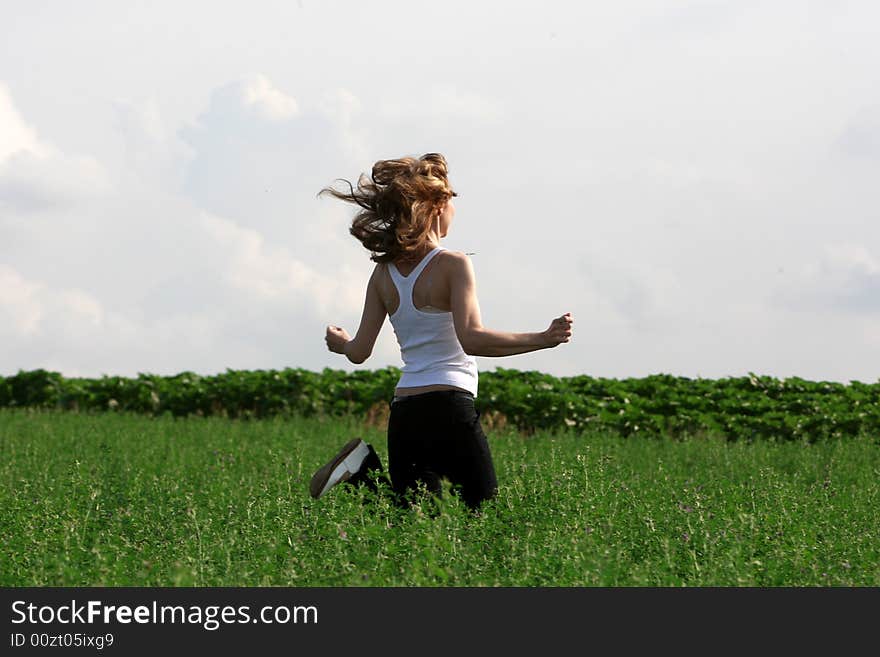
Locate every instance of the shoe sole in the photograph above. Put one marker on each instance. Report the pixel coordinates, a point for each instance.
(347, 462)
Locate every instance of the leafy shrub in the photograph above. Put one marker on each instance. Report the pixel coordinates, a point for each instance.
(743, 408)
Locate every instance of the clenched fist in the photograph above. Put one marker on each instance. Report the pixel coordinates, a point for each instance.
(336, 339)
(559, 331)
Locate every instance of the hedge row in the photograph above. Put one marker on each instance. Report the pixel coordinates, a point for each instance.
(738, 408)
(745, 407)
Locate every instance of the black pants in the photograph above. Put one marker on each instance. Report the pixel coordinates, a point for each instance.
(436, 435)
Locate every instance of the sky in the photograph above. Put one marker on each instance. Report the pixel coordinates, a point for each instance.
(695, 181)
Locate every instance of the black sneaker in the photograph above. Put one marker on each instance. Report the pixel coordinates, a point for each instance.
(340, 468)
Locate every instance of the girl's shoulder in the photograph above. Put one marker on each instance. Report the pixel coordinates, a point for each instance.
(444, 258)
(456, 261)
(453, 256)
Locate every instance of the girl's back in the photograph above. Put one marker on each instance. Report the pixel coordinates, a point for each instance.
(431, 291)
(423, 322)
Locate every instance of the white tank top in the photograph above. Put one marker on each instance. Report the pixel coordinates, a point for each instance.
(429, 346)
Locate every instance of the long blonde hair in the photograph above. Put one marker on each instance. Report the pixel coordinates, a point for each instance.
(398, 203)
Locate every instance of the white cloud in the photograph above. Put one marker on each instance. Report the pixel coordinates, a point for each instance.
(19, 302)
(272, 273)
(645, 295)
(152, 152)
(245, 100)
(264, 175)
(84, 306)
(845, 279)
(15, 134)
(861, 136)
(70, 330)
(695, 20)
(442, 100)
(31, 182)
(145, 279)
(34, 175)
(344, 109)
(34, 310)
(853, 257)
(269, 101)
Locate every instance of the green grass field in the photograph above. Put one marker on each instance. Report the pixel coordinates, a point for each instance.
(122, 500)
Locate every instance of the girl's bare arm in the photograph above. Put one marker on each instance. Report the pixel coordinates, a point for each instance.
(478, 340)
(359, 348)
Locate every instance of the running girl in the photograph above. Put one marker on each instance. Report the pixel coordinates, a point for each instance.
(430, 295)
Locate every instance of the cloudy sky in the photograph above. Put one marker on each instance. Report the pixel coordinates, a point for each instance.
(695, 181)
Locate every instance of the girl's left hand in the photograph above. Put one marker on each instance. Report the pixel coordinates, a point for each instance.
(336, 339)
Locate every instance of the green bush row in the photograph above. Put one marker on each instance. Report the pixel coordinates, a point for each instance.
(739, 408)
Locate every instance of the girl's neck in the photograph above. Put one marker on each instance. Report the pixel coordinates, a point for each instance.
(417, 256)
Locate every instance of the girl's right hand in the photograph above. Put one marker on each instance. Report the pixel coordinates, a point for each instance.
(559, 331)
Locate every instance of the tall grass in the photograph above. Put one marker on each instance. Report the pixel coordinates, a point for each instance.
(124, 500)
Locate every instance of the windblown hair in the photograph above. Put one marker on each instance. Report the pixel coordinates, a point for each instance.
(399, 202)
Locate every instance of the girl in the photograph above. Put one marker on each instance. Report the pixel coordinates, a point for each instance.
(429, 294)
